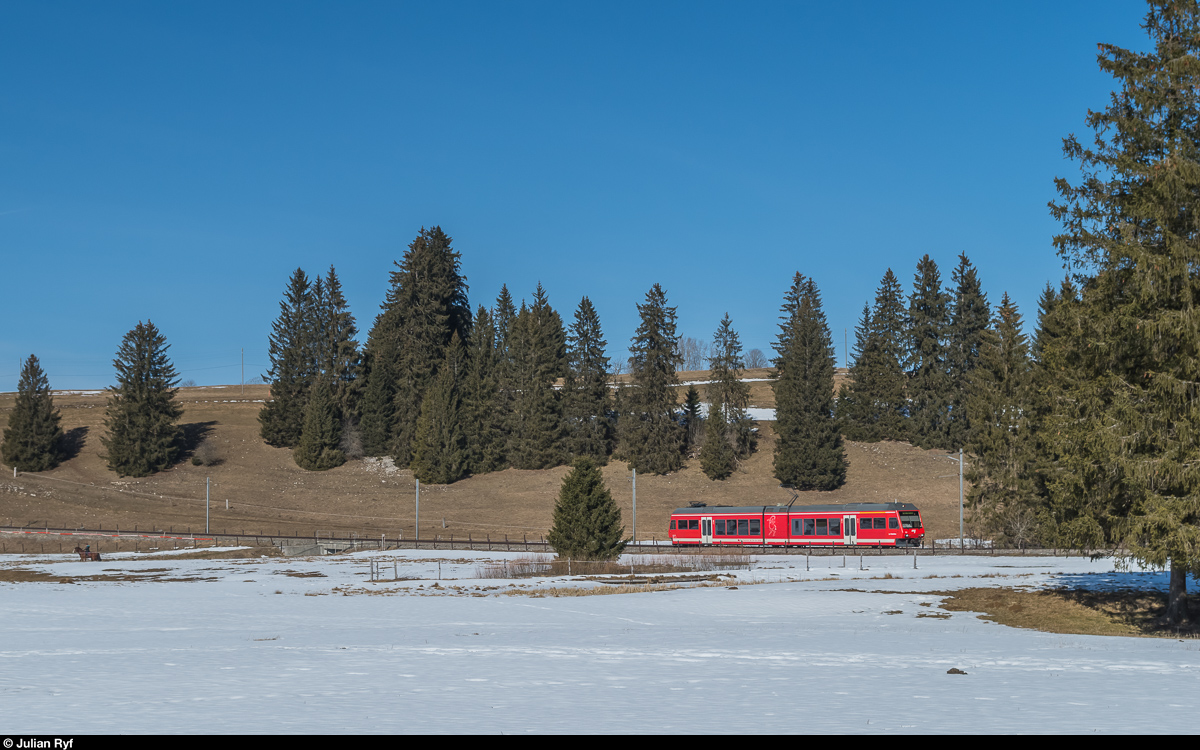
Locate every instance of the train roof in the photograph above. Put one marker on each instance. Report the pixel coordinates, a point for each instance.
(843, 508)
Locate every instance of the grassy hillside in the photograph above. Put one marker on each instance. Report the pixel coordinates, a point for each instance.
(267, 491)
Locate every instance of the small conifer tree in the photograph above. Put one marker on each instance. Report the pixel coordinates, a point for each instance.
(322, 434)
(33, 439)
(440, 453)
(587, 521)
(717, 457)
(693, 416)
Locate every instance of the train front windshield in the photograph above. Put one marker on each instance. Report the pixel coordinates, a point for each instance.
(910, 519)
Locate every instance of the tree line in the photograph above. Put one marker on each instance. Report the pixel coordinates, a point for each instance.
(450, 392)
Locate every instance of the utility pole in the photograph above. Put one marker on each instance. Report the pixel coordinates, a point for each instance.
(418, 536)
(206, 482)
(961, 545)
(635, 506)
(243, 371)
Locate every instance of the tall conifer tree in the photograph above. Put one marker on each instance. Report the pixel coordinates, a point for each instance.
(483, 418)
(1000, 406)
(294, 358)
(651, 436)
(1129, 360)
(537, 430)
(726, 391)
(588, 401)
(141, 414)
(341, 356)
(425, 306)
(809, 454)
(969, 320)
(856, 406)
(33, 438)
(928, 384)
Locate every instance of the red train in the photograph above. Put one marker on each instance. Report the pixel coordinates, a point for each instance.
(850, 525)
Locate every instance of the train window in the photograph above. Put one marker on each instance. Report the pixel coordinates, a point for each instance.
(893, 523)
(672, 525)
(880, 523)
(835, 526)
(755, 527)
(720, 527)
(822, 527)
(743, 527)
(910, 519)
(795, 527)
(808, 527)
(694, 525)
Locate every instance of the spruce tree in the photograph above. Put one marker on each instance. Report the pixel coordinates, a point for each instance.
(809, 454)
(1129, 361)
(651, 436)
(588, 401)
(483, 419)
(340, 363)
(141, 413)
(537, 430)
(294, 358)
(33, 438)
(969, 319)
(504, 316)
(587, 521)
(717, 456)
(889, 389)
(1003, 486)
(440, 454)
(425, 306)
(857, 411)
(726, 391)
(693, 419)
(928, 319)
(322, 434)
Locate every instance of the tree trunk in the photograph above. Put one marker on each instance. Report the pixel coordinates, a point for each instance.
(1177, 608)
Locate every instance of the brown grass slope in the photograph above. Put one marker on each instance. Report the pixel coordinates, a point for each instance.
(267, 492)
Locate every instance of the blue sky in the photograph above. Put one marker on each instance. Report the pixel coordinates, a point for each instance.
(176, 161)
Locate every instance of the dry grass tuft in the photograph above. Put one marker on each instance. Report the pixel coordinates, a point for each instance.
(1126, 613)
(557, 591)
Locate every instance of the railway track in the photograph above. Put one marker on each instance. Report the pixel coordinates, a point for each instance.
(50, 539)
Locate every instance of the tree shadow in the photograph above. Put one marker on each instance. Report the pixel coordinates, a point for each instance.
(72, 442)
(191, 435)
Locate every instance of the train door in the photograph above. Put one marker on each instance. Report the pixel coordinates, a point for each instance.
(849, 531)
(706, 530)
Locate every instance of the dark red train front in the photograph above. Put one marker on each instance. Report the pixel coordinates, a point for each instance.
(850, 525)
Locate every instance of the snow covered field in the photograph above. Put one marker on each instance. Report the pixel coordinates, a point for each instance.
(312, 645)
